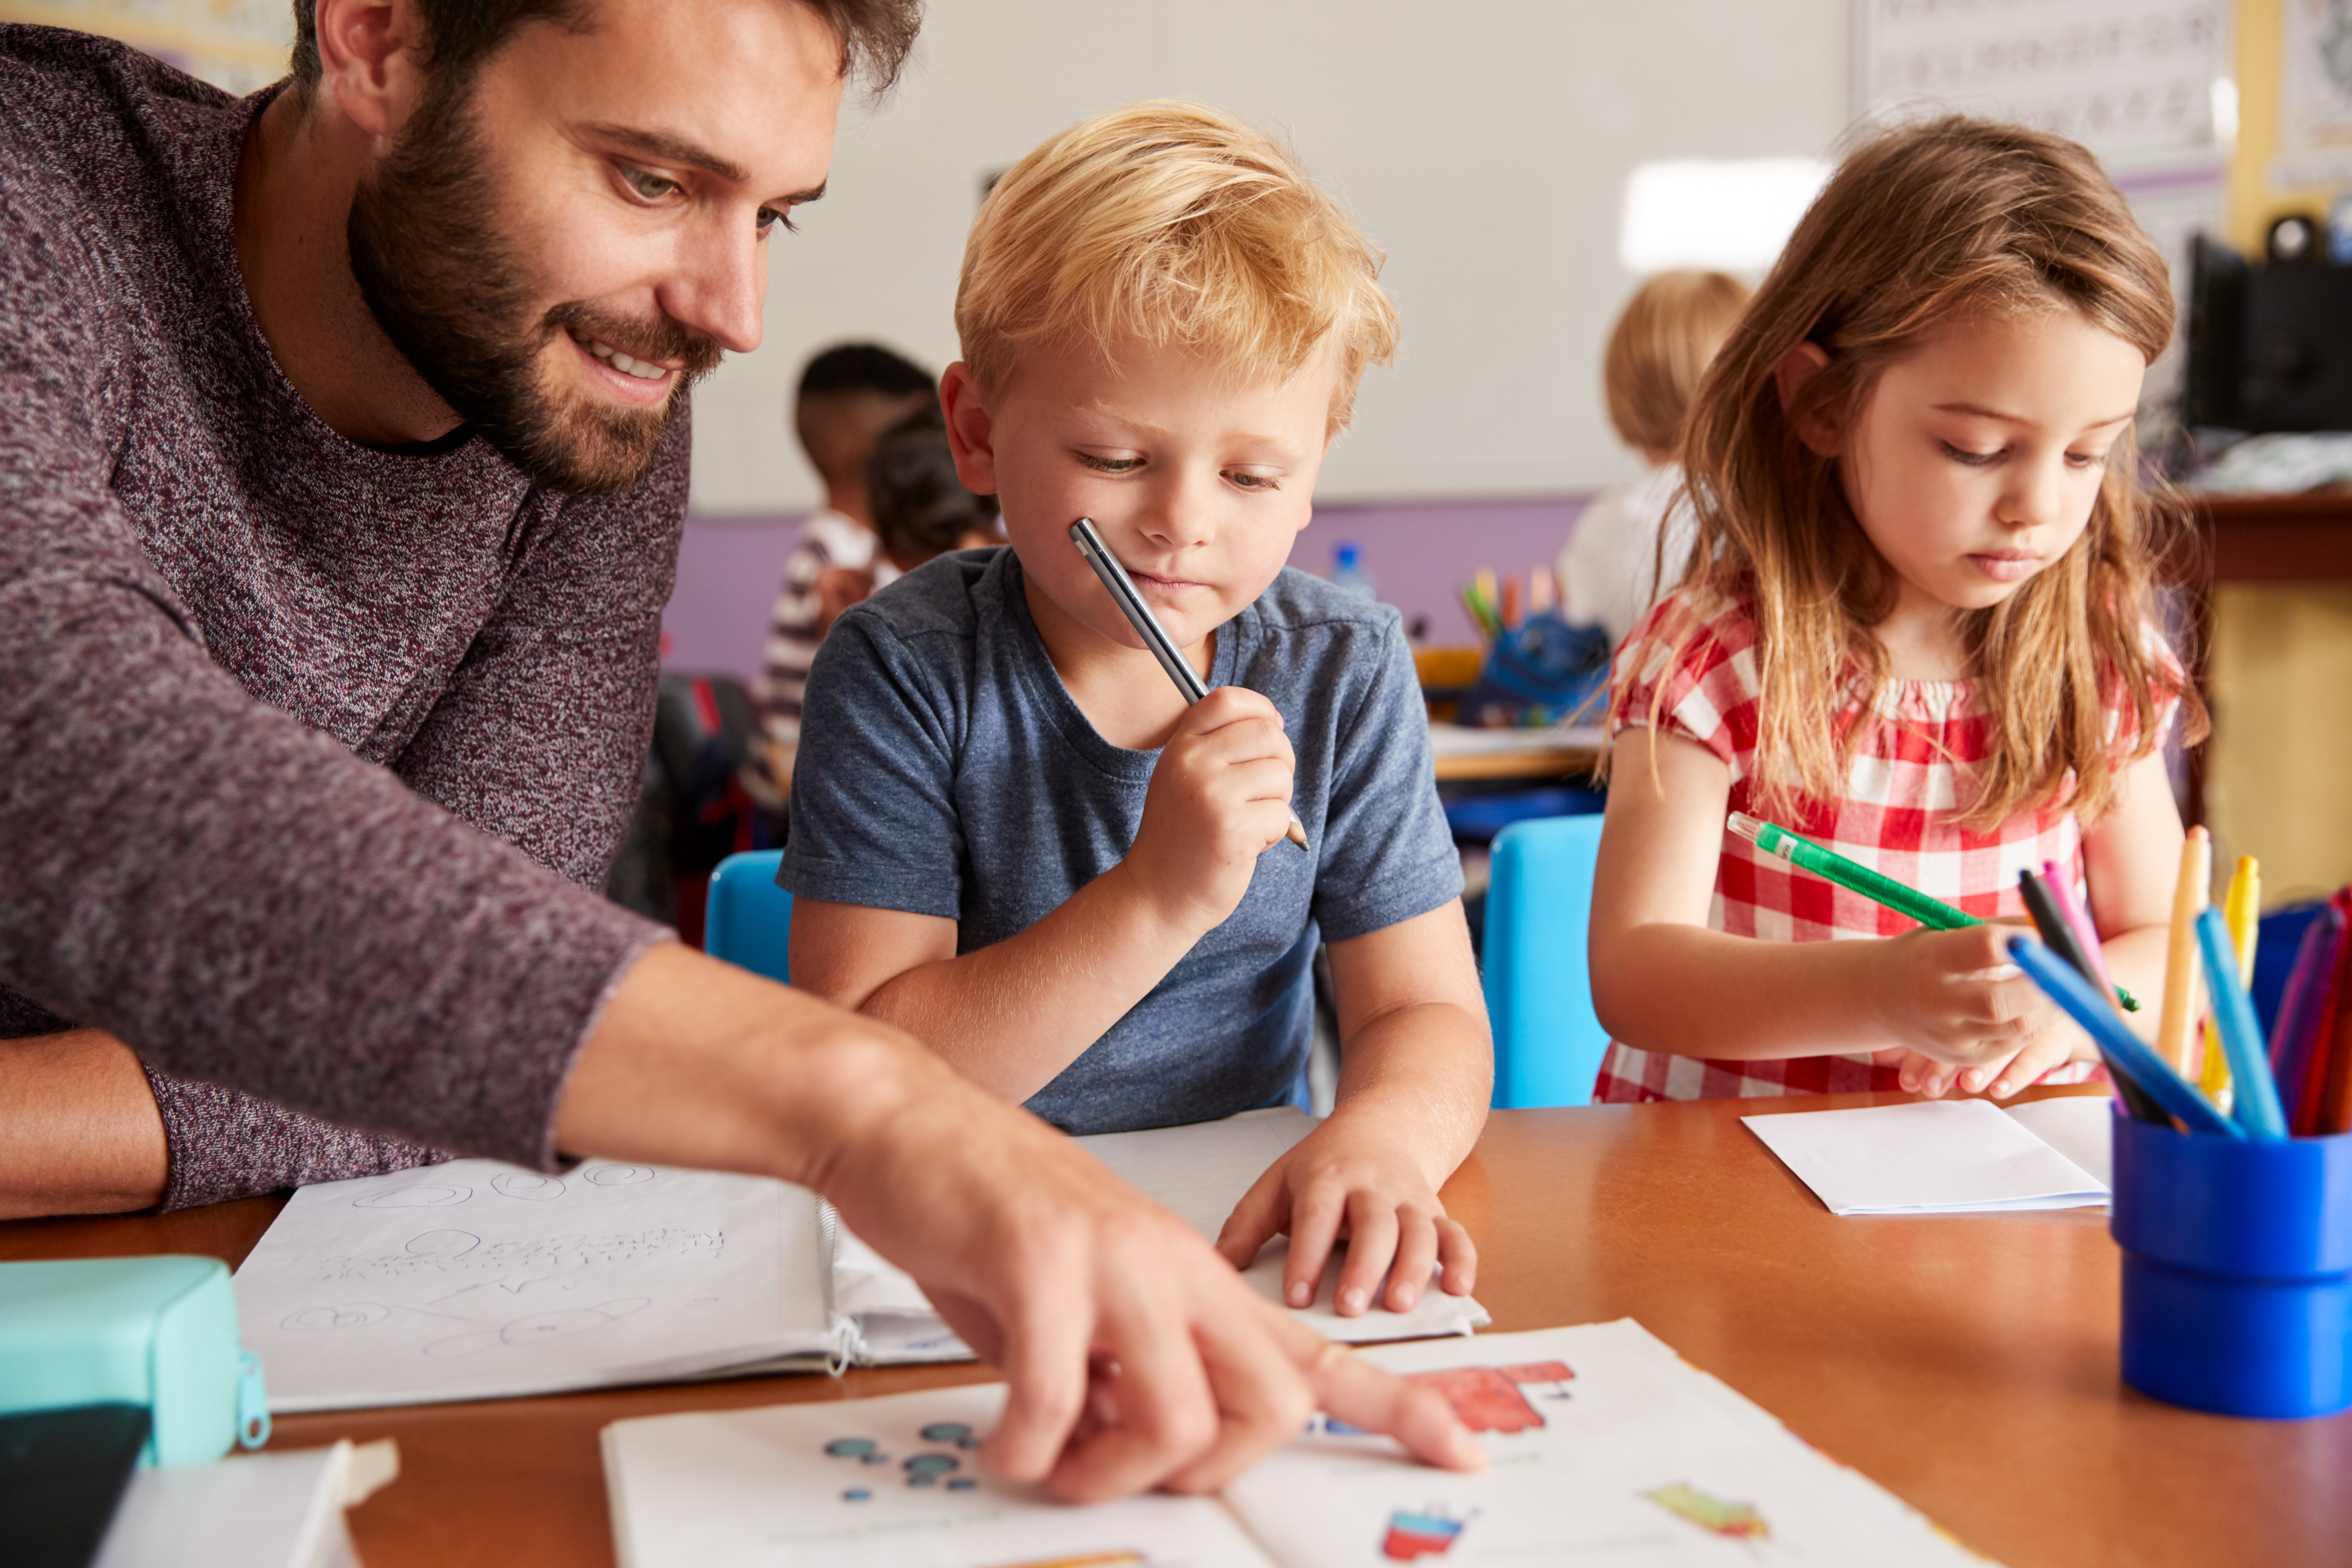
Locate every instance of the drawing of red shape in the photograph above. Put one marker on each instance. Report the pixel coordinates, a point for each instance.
(1413, 1535)
(1488, 1398)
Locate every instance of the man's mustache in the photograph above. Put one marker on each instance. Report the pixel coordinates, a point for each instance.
(661, 340)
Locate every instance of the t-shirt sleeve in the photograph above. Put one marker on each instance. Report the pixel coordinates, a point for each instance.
(873, 810)
(1690, 677)
(1386, 853)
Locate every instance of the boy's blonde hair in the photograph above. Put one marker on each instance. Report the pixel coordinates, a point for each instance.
(1922, 227)
(1168, 224)
(1660, 347)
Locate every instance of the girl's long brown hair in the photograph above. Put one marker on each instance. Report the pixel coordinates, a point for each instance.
(1922, 226)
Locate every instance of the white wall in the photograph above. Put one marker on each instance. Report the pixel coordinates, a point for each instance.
(1483, 146)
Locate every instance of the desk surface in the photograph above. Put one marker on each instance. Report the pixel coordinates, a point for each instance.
(1967, 1363)
(1466, 754)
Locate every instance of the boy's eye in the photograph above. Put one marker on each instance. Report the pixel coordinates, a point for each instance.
(1251, 481)
(1973, 459)
(645, 185)
(1110, 464)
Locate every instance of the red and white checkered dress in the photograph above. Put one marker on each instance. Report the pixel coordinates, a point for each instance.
(1894, 816)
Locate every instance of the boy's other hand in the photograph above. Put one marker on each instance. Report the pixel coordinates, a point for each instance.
(1220, 797)
(1342, 1182)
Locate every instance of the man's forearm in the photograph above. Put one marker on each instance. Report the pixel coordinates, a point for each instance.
(79, 1132)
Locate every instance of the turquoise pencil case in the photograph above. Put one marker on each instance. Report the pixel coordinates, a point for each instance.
(159, 1333)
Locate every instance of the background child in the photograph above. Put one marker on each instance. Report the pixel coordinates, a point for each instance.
(849, 395)
(920, 508)
(1915, 629)
(1011, 838)
(1613, 563)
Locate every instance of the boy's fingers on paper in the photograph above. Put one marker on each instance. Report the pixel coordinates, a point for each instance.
(1314, 1216)
(1372, 1246)
(1262, 1395)
(1255, 1219)
(1352, 1390)
(1458, 1257)
(1166, 1417)
(1416, 1255)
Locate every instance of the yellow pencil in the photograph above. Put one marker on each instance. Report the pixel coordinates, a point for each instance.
(2190, 896)
(2242, 907)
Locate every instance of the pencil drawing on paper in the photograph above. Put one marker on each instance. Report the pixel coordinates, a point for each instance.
(1732, 1520)
(528, 1186)
(347, 1315)
(1416, 1532)
(1494, 1398)
(416, 1195)
(540, 1326)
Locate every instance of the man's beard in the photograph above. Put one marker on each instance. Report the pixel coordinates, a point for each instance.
(446, 287)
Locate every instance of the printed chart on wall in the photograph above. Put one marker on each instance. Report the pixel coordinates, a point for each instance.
(1605, 1447)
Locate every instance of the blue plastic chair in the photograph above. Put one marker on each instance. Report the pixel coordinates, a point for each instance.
(748, 920)
(1547, 1042)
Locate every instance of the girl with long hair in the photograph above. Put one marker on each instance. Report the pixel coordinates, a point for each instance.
(1915, 626)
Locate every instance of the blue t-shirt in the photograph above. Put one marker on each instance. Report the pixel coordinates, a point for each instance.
(944, 770)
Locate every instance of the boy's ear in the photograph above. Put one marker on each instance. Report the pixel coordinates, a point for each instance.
(1792, 376)
(970, 432)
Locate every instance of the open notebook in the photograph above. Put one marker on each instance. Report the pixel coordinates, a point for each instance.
(1952, 1156)
(1605, 1446)
(480, 1281)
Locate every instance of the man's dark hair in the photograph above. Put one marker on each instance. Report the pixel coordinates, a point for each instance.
(864, 367)
(875, 35)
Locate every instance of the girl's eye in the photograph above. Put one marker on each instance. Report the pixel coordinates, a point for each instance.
(2087, 460)
(647, 185)
(1973, 459)
(1110, 464)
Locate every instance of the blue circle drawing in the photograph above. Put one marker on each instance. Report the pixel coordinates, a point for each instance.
(933, 1464)
(855, 1494)
(954, 1432)
(923, 1478)
(875, 1457)
(850, 1448)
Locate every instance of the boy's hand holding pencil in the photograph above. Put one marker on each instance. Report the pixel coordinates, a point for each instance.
(1220, 797)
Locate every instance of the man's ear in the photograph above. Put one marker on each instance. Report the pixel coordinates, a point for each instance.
(970, 432)
(369, 62)
(1792, 376)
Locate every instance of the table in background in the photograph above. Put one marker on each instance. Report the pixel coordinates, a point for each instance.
(1966, 1364)
(1466, 754)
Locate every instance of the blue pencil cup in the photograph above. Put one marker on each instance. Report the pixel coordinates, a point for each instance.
(2236, 1269)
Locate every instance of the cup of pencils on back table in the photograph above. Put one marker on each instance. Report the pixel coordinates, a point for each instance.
(1539, 668)
(2233, 1180)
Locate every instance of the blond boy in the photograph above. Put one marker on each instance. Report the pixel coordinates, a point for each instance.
(1011, 837)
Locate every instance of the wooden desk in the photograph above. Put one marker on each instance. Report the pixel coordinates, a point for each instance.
(1464, 754)
(1967, 1363)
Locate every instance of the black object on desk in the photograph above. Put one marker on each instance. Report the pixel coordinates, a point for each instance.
(61, 1474)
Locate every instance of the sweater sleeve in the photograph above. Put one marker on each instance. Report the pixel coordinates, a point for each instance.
(234, 894)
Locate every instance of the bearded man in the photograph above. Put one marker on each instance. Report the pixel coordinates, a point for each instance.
(343, 449)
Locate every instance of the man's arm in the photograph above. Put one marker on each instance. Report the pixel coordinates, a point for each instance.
(80, 1133)
(1094, 1301)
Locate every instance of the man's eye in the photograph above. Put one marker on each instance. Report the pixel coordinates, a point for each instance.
(771, 217)
(647, 186)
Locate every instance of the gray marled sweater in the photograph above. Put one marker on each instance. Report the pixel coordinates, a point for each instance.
(312, 755)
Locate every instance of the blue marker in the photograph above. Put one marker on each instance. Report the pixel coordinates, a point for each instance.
(2122, 1048)
(2233, 1019)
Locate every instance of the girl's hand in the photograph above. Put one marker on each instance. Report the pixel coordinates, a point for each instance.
(1339, 1183)
(1964, 1015)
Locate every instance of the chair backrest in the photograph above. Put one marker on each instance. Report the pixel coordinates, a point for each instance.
(1547, 1043)
(748, 920)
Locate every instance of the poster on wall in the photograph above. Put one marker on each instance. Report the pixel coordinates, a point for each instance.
(2315, 145)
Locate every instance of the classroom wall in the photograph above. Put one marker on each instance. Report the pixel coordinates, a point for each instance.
(1417, 554)
(1487, 149)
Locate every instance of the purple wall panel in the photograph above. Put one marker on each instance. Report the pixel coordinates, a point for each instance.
(1418, 553)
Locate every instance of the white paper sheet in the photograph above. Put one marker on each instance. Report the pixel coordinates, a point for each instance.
(1200, 1172)
(1634, 1458)
(278, 1509)
(1606, 1448)
(1951, 1156)
(479, 1281)
(753, 1488)
(2080, 1126)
